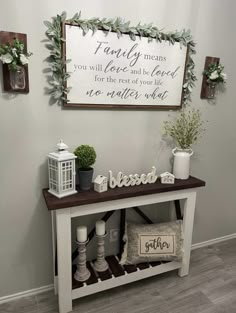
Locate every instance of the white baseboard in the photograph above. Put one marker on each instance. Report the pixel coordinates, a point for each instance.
(26, 293)
(36, 291)
(212, 241)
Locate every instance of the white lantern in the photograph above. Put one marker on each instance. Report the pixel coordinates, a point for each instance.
(61, 171)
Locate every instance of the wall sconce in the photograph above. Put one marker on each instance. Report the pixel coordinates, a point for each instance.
(208, 90)
(16, 80)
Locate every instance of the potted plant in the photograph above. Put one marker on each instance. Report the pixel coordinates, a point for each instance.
(185, 129)
(214, 75)
(14, 56)
(86, 157)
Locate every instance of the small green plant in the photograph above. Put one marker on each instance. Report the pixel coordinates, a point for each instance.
(86, 156)
(13, 54)
(186, 129)
(214, 73)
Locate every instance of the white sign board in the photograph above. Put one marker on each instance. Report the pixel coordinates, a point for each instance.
(110, 71)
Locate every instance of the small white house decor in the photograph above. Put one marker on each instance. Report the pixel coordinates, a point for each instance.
(100, 183)
(132, 179)
(61, 171)
(167, 178)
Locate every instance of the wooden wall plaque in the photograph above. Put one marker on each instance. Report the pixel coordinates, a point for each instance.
(8, 37)
(209, 60)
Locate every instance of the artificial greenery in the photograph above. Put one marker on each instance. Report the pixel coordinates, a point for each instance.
(215, 73)
(59, 90)
(86, 156)
(186, 128)
(13, 54)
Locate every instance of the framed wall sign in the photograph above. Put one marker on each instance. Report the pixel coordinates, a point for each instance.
(109, 64)
(119, 72)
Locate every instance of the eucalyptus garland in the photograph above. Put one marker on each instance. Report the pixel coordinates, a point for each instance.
(59, 76)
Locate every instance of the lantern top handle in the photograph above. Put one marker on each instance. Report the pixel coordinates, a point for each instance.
(61, 146)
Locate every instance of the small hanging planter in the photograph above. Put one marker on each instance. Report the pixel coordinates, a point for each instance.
(14, 58)
(213, 75)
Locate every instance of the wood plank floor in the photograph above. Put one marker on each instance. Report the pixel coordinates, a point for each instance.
(209, 288)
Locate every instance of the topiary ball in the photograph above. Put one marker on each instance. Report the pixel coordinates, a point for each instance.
(86, 156)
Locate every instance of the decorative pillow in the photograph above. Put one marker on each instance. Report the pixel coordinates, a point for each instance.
(155, 242)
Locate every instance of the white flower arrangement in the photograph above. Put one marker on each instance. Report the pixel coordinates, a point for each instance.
(214, 73)
(13, 54)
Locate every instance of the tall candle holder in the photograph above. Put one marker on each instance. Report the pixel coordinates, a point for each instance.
(82, 273)
(100, 264)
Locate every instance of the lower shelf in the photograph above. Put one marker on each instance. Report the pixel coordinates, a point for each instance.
(118, 275)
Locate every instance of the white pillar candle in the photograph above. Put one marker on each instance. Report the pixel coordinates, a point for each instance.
(100, 228)
(81, 233)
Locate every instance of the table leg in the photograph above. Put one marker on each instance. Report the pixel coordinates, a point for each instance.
(188, 218)
(63, 221)
(54, 250)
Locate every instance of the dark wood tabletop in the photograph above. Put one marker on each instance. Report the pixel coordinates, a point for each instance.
(91, 196)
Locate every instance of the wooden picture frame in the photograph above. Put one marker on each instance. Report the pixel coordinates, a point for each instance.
(111, 72)
(8, 37)
(66, 55)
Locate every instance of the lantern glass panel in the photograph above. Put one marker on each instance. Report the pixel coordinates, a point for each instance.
(53, 174)
(67, 169)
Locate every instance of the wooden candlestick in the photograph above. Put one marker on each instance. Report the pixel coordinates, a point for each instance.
(82, 273)
(100, 264)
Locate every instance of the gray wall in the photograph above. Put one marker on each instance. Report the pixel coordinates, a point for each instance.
(30, 128)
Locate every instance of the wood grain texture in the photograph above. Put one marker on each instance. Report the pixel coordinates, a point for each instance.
(91, 196)
(209, 288)
(8, 37)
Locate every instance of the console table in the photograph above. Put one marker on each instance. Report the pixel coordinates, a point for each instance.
(91, 202)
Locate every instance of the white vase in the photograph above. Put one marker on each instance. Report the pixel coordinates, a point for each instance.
(181, 167)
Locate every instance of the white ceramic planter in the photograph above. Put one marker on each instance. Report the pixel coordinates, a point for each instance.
(181, 167)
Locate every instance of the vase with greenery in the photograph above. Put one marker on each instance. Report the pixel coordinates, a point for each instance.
(14, 56)
(86, 157)
(185, 129)
(214, 75)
